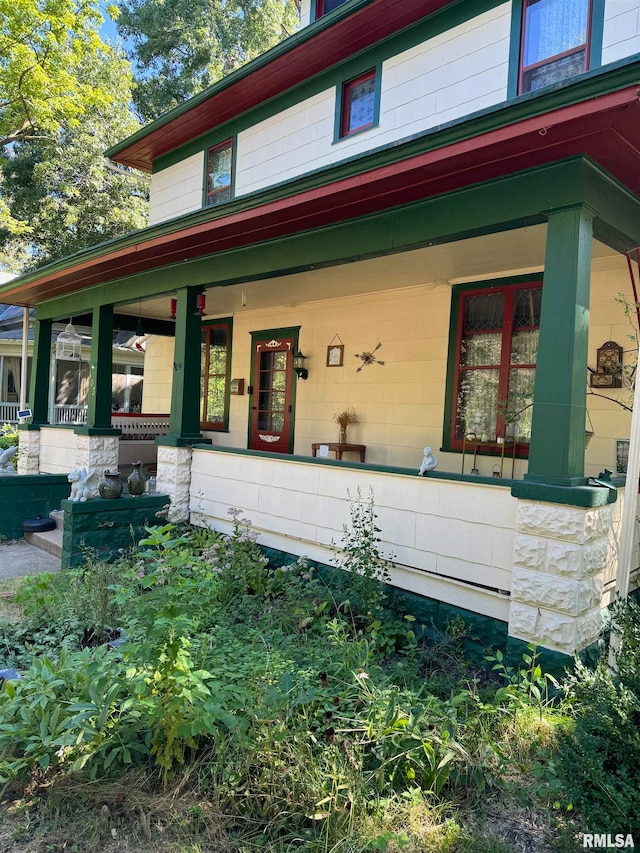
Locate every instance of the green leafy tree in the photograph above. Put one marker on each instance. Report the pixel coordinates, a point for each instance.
(61, 195)
(183, 46)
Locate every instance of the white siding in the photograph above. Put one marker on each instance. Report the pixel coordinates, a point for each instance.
(305, 13)
(621, 35)
(445, 537)
(177, 189)
(447, 77)
(58, 451)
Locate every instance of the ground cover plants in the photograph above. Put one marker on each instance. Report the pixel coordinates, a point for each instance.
(249, 707)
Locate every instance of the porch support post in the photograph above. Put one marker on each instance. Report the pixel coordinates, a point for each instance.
(556, 452)
(174, 449)
(184, 419)
(99, 402)
(39, 392)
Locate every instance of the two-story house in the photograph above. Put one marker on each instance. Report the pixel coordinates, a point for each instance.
(434, 202)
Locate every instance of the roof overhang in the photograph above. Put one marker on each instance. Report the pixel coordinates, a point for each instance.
(310, 51)
(605, 129)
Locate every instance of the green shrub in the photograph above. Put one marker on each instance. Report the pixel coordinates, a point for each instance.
(9, 437)
(599, 761)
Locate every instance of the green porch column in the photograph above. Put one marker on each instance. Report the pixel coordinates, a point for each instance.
(184, 421)
(39, 390)
(556, 453)
(99, 402)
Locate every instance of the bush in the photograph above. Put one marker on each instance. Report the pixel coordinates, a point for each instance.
(599, 761)
(9, 437)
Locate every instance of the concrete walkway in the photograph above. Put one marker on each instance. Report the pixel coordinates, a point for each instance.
(18, 558)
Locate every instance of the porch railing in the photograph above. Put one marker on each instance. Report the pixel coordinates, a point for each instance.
(9, 413)
(70, 414)
(137, 427)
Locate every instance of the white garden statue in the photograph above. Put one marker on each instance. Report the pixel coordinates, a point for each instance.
(429, 461)
(84, 484)
(6, 465)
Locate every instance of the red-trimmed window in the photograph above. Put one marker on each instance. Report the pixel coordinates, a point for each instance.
(497, 348)
(215, 362)
(555, 41)
(219, 173)
(323, 7)
(358, 109)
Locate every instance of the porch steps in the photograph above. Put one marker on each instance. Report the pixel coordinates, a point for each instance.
(49, 540)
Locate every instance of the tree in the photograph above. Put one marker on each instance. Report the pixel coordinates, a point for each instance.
(44, 49)
(59, 191)
(183, 46)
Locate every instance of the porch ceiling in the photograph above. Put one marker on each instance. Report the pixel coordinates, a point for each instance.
(486, 257)
(605, 129)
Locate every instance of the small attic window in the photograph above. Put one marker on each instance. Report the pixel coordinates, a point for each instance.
(219, 173)
(323, 7)
(359, 104)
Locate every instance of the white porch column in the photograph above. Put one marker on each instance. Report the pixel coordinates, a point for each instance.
(174, 478)
(97, 451)
(29, 451)
(561, 556)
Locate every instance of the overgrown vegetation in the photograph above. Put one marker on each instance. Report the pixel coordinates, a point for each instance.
(251, 707)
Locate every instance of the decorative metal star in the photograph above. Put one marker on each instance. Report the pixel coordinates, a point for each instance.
(368, 358)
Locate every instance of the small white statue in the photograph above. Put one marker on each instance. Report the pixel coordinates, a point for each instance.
(6, 466)
(429, 461)
(84, 484)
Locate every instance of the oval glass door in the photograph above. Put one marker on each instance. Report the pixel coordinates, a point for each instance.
(271, 403)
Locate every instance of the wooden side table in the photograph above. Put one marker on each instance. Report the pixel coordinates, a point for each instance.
(339, 448)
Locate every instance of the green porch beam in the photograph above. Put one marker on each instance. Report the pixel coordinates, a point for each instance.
(184, 419)
(99, 402)
(39, 390)
(556, 454)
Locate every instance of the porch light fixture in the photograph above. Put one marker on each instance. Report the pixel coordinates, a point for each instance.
(174, 308)
(201, 304)
(68, 344)
(298, 365)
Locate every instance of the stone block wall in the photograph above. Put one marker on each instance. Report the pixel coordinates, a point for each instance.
(26, 496)
(561, 557)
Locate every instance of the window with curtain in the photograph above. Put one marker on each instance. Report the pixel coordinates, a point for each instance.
(497, 348)
(219, 174)
(215, 372)
(555, 42)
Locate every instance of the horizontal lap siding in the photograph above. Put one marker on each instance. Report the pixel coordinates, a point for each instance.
(177, 190)
(440, 534)
(621, 37)
(57, 451)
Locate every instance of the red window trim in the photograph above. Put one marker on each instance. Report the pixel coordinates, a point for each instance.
(320, 8)
(228, 143)
(522, 449)
(345, 130)
(586, 46)
(212, 426)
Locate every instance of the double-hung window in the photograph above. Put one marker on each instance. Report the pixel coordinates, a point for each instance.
(215, 371)
(555, 42)
(496, 351)
(219, 175)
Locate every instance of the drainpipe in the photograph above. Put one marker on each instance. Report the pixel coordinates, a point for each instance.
(24, 391)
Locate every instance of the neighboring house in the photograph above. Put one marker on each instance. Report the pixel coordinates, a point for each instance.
(434, 202)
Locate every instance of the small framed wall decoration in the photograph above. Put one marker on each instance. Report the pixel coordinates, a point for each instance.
(335, 352)
(608, 367)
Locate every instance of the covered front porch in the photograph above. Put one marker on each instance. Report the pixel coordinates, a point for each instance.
(532, 549)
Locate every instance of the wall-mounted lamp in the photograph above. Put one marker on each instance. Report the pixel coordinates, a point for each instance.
(201, 304)
(174, 308)
(298, 365)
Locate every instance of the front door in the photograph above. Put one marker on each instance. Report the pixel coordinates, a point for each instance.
(271, 401)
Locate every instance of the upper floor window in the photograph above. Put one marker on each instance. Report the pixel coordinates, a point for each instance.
(215, 370)
(497, 349)
(555, 42)
(359, 106)
(219, 173)
(323, 7)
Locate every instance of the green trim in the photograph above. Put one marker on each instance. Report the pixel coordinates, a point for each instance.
(582, 496)
(39, 391)
(184, 416)
(515, 46)
(556, 451)
(339, 105)
(29, 427)
(95, 430)
(262, 334)
(499, 204)
(101, 369)
(173, 440)
(228, 321)
(234, 156)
